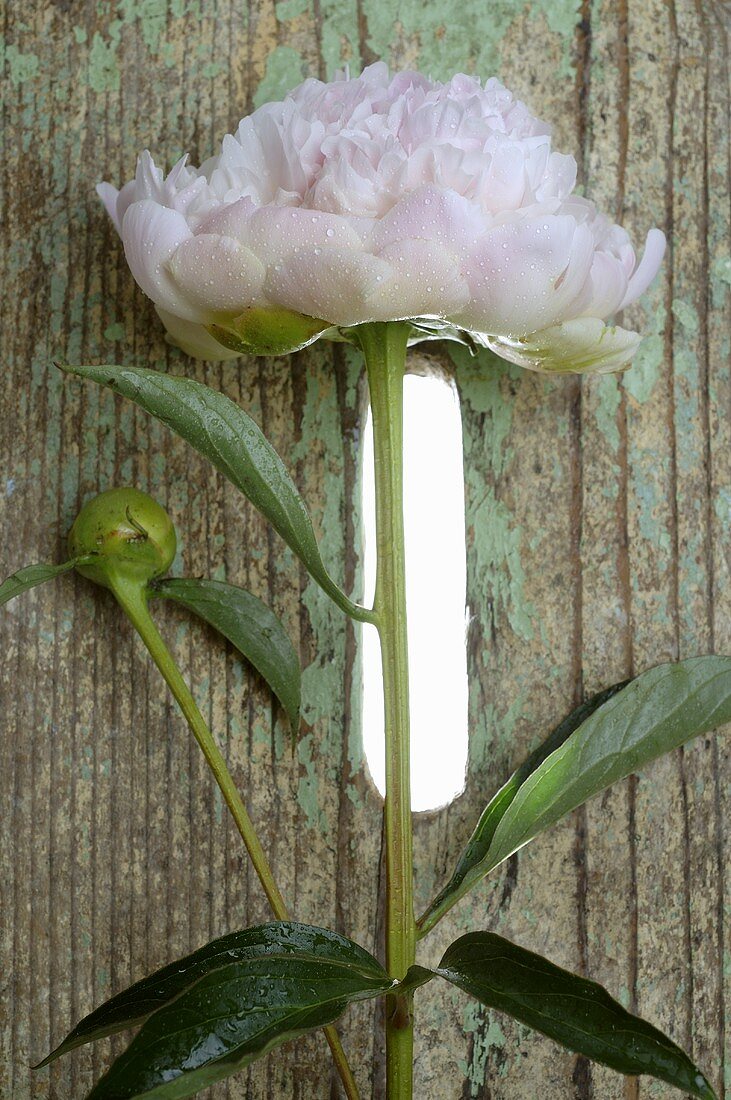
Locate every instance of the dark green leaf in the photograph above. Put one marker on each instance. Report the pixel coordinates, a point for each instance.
(470, 869)
(135, 1004)
(656, 713)
(29, 578)
(267, 987)
(228, 437)
(249, 625)
(575, 1012)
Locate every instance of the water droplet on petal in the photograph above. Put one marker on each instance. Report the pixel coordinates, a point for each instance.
(329, 232)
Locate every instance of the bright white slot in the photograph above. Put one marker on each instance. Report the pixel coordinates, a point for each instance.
(435, 596)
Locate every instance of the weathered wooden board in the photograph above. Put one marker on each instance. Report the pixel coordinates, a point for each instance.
(598, 531)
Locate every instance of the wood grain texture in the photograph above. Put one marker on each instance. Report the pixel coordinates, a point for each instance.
(598, 520)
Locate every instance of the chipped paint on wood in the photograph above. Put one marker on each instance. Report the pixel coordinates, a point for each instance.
(598, 520)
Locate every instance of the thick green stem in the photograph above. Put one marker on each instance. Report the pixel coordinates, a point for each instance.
(133, 599)
(384, 346)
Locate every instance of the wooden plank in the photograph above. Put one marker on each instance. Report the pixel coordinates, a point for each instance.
(598, 543)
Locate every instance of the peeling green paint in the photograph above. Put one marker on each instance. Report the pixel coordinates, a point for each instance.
(721, 274)
(308, 788)
(488, 1045)
(21, 66)
(103, 69)
(480, 379)
(323, 679)
(290, 9)
(649, 503)
(498, 569)
(641, 378)
(608, 396)
(285, 68)
(685, 315)
(490, 727)
(468, 38)
(152, 16)
(494, 538)
(114, 331)
(340, 40)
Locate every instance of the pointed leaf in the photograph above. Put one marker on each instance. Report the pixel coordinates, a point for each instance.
(135, 1004)
(656, 713)
(470, 867)
(29, 577)
(228, 437)
(250, 626)
(610, 736)
(575, 1012)
(265, 987)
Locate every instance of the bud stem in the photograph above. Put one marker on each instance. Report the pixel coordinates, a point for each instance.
(132, 598)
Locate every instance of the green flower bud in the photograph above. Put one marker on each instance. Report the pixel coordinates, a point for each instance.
(129, 534)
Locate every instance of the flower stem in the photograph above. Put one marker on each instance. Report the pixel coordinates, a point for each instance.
(384, 346)
(132, 598)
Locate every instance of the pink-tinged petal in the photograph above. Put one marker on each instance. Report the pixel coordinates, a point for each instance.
(117, 202)
(574, 347)
(276, 233)
(126, 197)
(503, 184)
(217, 274)
(524, 275)
(605, 288)
(647, 268)
(230, 220)
(425, 281)
(558, 179)
(335, 286)
(151, 234)
(193, 339)
(432, 214)
(109, 196)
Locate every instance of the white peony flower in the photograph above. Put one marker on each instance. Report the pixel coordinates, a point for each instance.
(384, 198)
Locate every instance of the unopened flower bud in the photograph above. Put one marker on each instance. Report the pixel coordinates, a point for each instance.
(129, 534)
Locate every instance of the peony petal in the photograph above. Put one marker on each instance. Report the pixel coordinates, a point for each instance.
(425, 281)
(230, 220)
(117, 202)
(109, 196)
(193, 339)
(151, 234)
(277, 233)
(217, 273)
(524, 275)
(432, 214)
(647, 268)
(604, 289)
(336, 286)
(586, 344)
